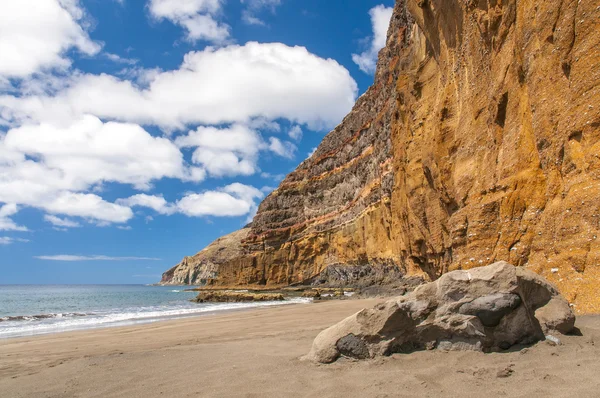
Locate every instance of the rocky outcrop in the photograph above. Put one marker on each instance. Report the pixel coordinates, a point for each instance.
(485, 309)
(235, 297)
(203, 268)
(478, 142)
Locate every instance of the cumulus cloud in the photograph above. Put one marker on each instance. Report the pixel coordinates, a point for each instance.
(224, 152)
(86, 205)
(89, 151)
(230, 151)
(380, 20)
(198, 17)
(282, 148)
(157, 203)
(211, 87)
(174, 9)
(70, 257)
(231, 201)
(50, 166)
(36, 34)
(6, 224)
(66, 135)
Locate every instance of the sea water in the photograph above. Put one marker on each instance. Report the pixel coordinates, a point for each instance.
(27, 310)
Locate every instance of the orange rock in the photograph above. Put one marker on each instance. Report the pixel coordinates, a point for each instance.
(479, 141)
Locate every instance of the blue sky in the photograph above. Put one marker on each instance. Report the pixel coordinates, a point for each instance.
(135, 132)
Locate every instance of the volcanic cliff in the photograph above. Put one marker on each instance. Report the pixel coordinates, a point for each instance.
(479, 141)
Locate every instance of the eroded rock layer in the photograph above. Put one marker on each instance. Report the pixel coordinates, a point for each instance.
(479, 141)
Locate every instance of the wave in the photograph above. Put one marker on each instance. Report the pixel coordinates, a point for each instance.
(43, 316)
(14, 326)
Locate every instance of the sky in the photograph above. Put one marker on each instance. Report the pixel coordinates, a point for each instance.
(136, 132)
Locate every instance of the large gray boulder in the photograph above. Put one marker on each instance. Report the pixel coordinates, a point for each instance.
(485, 309)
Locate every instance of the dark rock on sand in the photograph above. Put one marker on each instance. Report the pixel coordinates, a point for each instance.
(235, 297)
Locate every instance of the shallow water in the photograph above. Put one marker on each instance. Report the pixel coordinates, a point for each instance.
(27, 310)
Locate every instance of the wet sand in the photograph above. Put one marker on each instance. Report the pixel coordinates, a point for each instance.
(256, 353)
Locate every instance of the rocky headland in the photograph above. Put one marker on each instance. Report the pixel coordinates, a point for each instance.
(479, 141)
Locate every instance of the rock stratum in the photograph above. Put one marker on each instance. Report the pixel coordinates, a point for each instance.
(479, 141)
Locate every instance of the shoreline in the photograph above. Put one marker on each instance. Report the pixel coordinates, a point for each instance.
(135, 322)
(257, 353)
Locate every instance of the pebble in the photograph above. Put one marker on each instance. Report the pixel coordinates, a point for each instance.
(553, 341)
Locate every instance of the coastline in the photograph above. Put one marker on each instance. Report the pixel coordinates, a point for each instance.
(256, 353)
(29, 312)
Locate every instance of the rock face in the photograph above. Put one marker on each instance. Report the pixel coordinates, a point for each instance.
(487, 309)
(203, 268)
(478, 142)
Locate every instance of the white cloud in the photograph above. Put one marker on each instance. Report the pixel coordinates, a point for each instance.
(231, 151)
(89, 151)
(253, 7)
(212, 87)
(231, 201)
(72, 134)
(120, 60)
(35, 34)
(176, 9)
(70, 257)
(204, 27)
(50, 167)
(5, 240)
(6, 224)
(282, 148)
(380, 20)
(157, 203)
(61, 222)
(295, 133)
(196, 16)
(224, 152)
(249, 18)
(87, 206)
(274, 177)
(312, 152)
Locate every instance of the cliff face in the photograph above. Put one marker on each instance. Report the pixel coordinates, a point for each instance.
(479, 141)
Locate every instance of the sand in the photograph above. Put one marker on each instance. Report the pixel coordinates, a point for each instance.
(256, 354)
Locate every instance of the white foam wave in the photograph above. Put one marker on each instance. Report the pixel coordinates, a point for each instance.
(131, 316)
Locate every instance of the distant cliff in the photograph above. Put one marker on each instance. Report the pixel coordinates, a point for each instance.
(479, 141)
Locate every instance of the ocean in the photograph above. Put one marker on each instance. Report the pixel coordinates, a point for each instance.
(27, 310)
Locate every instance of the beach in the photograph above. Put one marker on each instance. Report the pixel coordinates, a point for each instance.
(257, 353)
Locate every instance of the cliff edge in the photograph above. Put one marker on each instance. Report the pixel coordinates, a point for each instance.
(479, 141)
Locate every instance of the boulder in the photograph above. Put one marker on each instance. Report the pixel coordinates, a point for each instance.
(484, 309)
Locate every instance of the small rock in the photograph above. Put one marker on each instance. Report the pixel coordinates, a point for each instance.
(553, 341)
(506, 372)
